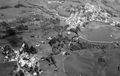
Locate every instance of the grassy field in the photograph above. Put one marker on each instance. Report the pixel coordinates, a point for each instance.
(6, 68)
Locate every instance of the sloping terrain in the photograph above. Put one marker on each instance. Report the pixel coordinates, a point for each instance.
(59, 38)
